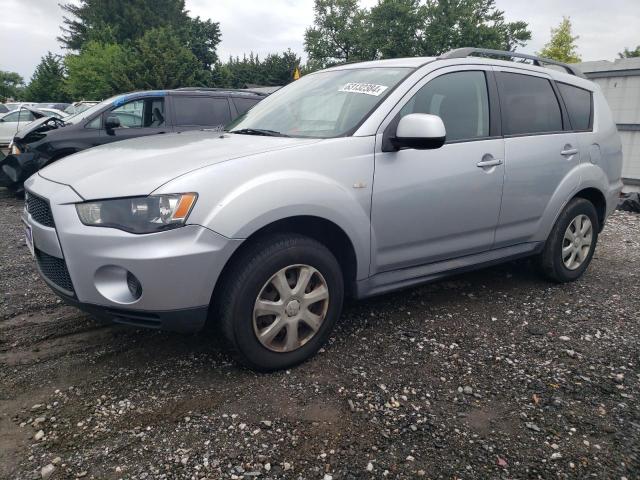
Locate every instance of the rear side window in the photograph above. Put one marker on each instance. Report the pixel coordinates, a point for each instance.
(460, 99)
(201, 111)
(529, 105)
(579, 104)
(244, 104)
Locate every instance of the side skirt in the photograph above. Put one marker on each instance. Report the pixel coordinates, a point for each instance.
(408, 277)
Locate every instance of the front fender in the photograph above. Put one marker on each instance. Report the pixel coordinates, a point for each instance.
(272, 197)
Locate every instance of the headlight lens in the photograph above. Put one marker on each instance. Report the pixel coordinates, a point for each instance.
(15, 150)
(139, 214)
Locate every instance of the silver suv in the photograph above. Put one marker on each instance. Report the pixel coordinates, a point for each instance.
(356, 180)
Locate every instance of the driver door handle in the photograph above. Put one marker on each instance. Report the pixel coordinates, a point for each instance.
(489, 161)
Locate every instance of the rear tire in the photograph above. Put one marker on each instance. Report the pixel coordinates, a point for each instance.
(279, 301)
(570, 246)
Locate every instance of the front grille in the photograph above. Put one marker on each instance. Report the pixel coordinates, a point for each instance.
(55, 270)
(40, 210)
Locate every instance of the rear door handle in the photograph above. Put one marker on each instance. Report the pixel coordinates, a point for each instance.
(568, 151)
(489, 161)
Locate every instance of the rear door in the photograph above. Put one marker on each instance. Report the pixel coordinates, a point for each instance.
(198, 112)
(540, 150)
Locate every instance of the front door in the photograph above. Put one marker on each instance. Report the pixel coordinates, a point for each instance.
(139, 117)
(431, 205)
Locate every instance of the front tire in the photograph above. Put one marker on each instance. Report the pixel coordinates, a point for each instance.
(569, 249)
(279, 301)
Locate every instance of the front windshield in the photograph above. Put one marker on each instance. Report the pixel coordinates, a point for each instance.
(80, 116)
(321, 105)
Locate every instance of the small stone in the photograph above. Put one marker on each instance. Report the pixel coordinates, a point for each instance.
(571, 353)
(82, 474)
(410, 458)
(556, 456)
(47, 471)
(564, 338)
(286, 466)
(467, 390)
(39, 420)
(532, 426)
(39, 435)
(56, 460)
(421, 473)
(267, 423)
(369, 467)
(37, 406)
(327, 477)
(267, 466)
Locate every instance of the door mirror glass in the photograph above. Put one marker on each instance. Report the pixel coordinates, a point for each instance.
(112, 122)
(420, 131)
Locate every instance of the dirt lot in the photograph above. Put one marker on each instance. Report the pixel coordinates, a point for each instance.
(495, 374)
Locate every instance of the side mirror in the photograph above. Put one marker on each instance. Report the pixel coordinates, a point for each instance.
(112, 122)
(420, 131)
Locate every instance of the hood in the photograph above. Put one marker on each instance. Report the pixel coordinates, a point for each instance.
(141, 165)
(39, 125)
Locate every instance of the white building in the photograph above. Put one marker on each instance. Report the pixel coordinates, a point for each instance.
(620, 83)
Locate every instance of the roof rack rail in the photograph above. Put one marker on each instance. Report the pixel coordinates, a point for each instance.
(217, 89)
(538, 61)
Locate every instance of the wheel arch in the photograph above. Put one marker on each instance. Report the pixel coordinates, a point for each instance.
(597, 198)
(330, 234)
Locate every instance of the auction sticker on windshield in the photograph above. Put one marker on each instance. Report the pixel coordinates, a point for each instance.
(366, 88)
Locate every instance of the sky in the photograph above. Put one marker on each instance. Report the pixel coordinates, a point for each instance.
(28, 28)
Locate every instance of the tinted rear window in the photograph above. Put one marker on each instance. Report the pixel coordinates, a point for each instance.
(244, 104)
(578, 102)
(201, 111)
(529, 105)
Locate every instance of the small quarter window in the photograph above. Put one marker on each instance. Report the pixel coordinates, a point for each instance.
(244, 104)
(579, 105)
(529, 105)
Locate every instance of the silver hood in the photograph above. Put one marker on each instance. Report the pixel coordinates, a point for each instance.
(141, 165)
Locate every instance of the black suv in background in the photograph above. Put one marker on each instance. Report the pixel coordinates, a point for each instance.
(124, 116)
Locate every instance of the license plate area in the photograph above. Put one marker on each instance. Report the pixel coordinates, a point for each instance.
(28, 236)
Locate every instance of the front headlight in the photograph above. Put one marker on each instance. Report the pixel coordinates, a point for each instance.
(15, 150)
(139, 214)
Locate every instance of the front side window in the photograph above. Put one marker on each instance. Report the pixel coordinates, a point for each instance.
(579, 105)
(142, 113)
(201, 111)
(529, 105)
(460, 99)
(322, 105)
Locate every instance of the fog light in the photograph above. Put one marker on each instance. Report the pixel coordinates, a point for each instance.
(117, 284)
(134, 286)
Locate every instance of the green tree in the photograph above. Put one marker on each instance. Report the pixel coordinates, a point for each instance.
(117, 21)
(159, 60)
(562, 45)
(394, 28)
(11, 85)
(97, 71)
(338, 33)
(626, 53)
(125, 22)
(48, 81)
(344, 32)
(450, 24)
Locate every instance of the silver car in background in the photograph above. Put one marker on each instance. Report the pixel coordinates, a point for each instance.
(353, 181)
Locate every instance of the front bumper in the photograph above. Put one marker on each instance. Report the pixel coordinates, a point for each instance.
(177, 269)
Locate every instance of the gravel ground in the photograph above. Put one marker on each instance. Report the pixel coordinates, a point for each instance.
(495, 374)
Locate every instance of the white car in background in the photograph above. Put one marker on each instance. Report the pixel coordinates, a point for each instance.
(12, 122)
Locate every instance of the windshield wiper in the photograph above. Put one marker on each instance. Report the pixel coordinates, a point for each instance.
(258, 131)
